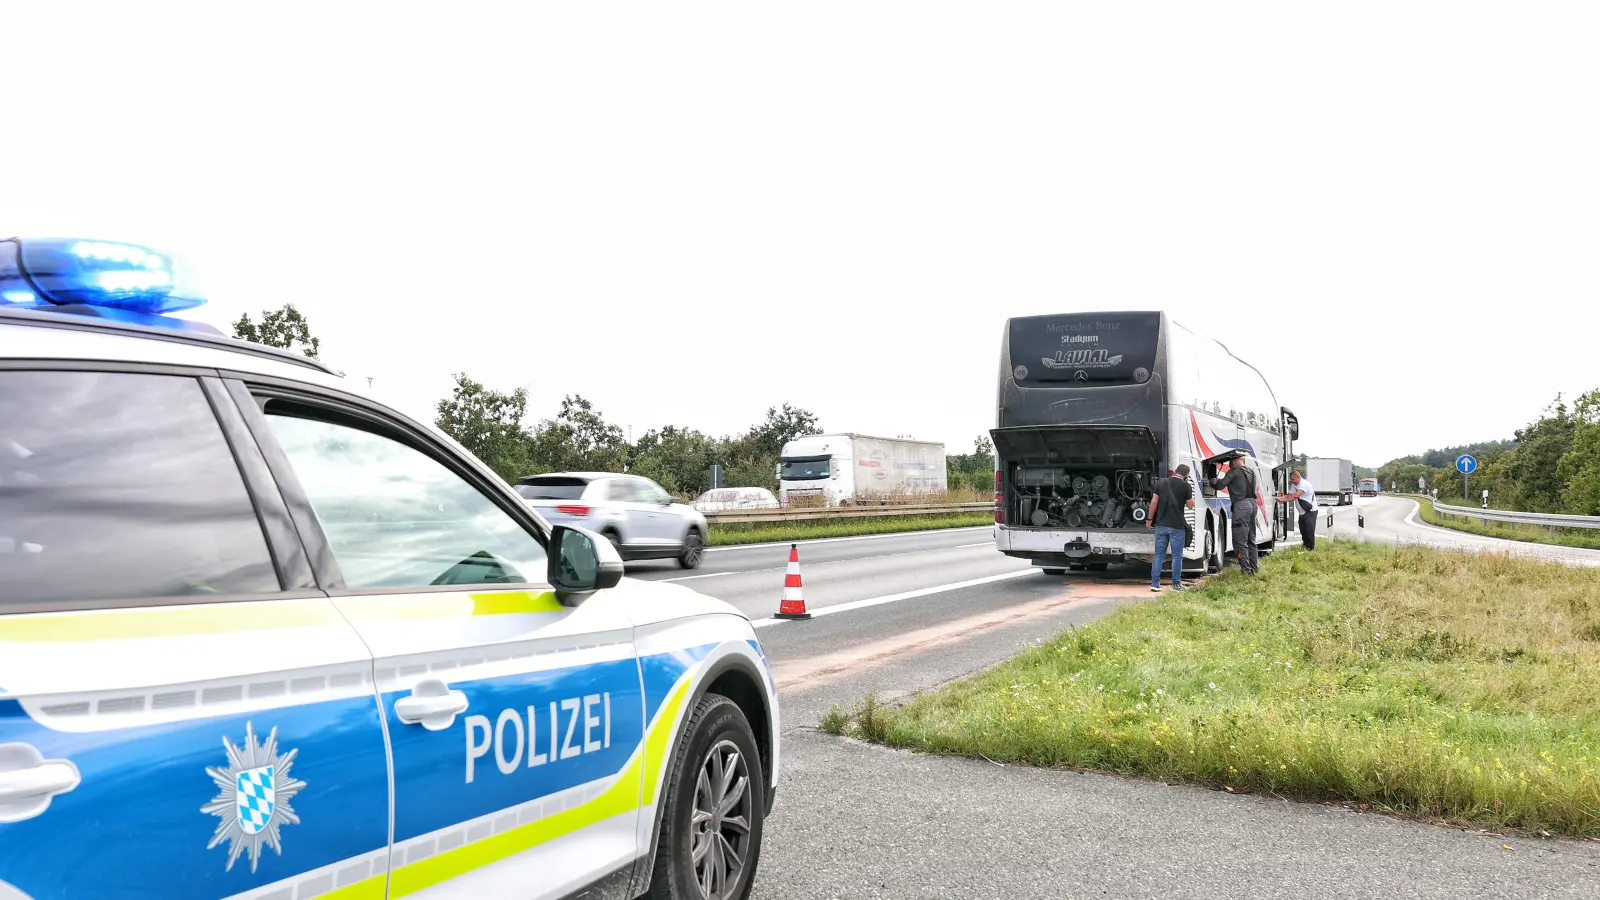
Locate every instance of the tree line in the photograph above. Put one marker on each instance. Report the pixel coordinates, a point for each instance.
(1552, 465)
(494, 426)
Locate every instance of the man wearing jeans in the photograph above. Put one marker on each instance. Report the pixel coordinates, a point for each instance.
(1171, 497)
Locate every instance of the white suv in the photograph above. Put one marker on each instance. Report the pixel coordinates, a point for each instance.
(639, 518)
(261, 636)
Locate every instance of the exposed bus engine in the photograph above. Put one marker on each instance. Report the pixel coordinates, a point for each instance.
(1047, 496)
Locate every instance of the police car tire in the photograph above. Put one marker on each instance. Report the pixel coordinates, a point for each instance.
(715, 719)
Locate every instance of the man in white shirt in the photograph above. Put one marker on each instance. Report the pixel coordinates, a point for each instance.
(1304, 497)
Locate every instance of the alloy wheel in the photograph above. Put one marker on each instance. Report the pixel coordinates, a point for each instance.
(720, 828)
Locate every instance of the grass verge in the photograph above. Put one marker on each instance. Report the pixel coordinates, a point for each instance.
(1533, 534)
(810, 529)
(1452, 687)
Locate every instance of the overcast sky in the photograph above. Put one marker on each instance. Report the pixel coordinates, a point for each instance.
(690, 213)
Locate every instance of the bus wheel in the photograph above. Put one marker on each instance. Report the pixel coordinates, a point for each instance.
(1213, 552)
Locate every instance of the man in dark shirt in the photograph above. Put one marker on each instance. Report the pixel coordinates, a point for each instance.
(1171, 497)
(1239, 480)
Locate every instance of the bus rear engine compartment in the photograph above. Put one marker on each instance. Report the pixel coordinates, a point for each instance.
(1090, 497)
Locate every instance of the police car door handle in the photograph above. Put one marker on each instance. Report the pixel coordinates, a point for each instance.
(432, 704)
(28, 781)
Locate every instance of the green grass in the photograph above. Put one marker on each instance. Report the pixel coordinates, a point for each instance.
(810, 529)
(1452, 687)
(1563, 537)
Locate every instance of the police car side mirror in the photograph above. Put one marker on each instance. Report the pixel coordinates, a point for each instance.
(581, 562)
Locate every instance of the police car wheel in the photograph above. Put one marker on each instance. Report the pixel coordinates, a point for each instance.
(711, 827)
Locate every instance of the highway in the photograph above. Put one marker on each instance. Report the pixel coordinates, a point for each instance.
(895, 615)
(1397, 520)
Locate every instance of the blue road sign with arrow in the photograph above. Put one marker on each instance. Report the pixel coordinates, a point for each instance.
(1466, 465)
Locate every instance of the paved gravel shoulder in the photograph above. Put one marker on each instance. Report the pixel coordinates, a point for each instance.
(861, 821)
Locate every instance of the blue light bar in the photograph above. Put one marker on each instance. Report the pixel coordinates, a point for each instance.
(40, 273)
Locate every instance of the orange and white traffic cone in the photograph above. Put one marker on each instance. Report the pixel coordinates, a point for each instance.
(793, 605)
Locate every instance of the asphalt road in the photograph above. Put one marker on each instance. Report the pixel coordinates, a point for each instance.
(895, 615)
(1397, 520)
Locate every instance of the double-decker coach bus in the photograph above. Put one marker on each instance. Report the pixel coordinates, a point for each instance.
(1094, 406)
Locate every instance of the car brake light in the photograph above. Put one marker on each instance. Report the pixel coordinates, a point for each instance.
(999, 499)
(579, 511)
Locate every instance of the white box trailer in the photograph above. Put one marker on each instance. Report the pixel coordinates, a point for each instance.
(1333, 478)
(835, 469)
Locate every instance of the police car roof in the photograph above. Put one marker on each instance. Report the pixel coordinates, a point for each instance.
(42, 334)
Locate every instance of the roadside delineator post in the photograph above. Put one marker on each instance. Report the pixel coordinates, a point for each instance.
(793, 605)
(1361, 526)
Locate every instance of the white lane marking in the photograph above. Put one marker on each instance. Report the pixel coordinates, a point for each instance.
(1411, 517)
(965, 546)
(892, 598)
(859, 537)
(693, 577)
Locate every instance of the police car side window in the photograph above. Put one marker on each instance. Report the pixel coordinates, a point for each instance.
(397, 518)
(120, 485)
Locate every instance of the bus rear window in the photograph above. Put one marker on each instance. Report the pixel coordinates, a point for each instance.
(1085, 348)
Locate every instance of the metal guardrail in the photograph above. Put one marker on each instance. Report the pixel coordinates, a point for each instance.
(741, 516)
(1547, 520)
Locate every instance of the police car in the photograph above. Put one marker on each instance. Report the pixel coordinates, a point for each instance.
(261, 636)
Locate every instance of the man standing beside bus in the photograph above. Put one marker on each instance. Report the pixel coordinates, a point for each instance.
(1171, 497)
(1240, 483)
(1303, 494)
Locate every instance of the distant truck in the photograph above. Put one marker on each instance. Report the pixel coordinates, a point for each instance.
(1369, 487)
(1333, 478)
(842, 469)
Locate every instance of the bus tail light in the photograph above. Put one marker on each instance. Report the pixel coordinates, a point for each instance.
(999, 498)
